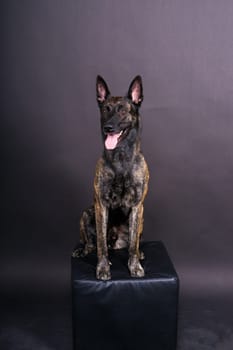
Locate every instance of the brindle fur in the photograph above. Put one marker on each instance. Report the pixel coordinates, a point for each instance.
(120, 184)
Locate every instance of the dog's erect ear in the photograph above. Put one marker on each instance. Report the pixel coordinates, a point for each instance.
(135, 93)
(102, 91)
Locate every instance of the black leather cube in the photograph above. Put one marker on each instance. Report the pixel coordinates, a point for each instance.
(125, 313)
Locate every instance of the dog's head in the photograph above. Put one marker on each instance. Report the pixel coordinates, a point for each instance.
(119, 115)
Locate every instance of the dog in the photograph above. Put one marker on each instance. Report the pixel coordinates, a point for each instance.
(121, 182)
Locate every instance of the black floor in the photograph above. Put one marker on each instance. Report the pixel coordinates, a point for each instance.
(35, 324)
(205, 323)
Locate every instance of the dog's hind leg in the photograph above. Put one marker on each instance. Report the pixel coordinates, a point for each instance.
(87, 233)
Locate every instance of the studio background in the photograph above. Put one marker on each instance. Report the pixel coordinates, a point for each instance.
(51, 53)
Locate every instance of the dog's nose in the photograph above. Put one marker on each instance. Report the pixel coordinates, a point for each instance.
(108, 129)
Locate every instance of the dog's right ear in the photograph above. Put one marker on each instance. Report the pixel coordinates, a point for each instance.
(102, 91)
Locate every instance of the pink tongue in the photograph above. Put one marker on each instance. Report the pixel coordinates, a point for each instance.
(111, 141)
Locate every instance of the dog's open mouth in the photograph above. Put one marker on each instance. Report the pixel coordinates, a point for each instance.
(112, 140)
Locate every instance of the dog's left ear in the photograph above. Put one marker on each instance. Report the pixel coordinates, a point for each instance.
(135, 93)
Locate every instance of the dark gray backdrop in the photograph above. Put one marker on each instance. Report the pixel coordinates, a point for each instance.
(52, 52)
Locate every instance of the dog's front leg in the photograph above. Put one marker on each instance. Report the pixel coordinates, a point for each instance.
(135, 230)
(103, 265)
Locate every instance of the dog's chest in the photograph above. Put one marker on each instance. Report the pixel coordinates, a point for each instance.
(120, 191)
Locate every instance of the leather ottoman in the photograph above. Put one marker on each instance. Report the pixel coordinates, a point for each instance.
(125, 313)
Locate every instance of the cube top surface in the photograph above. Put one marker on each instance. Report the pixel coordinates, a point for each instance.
(157, 265)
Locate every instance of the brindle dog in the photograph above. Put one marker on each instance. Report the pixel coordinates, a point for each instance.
(121, 182)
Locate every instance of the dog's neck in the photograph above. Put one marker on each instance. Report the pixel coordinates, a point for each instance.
(121, 158)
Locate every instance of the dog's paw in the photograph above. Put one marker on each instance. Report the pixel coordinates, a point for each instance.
(103, 270)
(142, 255)
(77, 253)
(135, 268)
(83, 251)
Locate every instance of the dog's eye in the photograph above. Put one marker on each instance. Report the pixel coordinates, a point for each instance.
(108, 108)
(122, 110)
